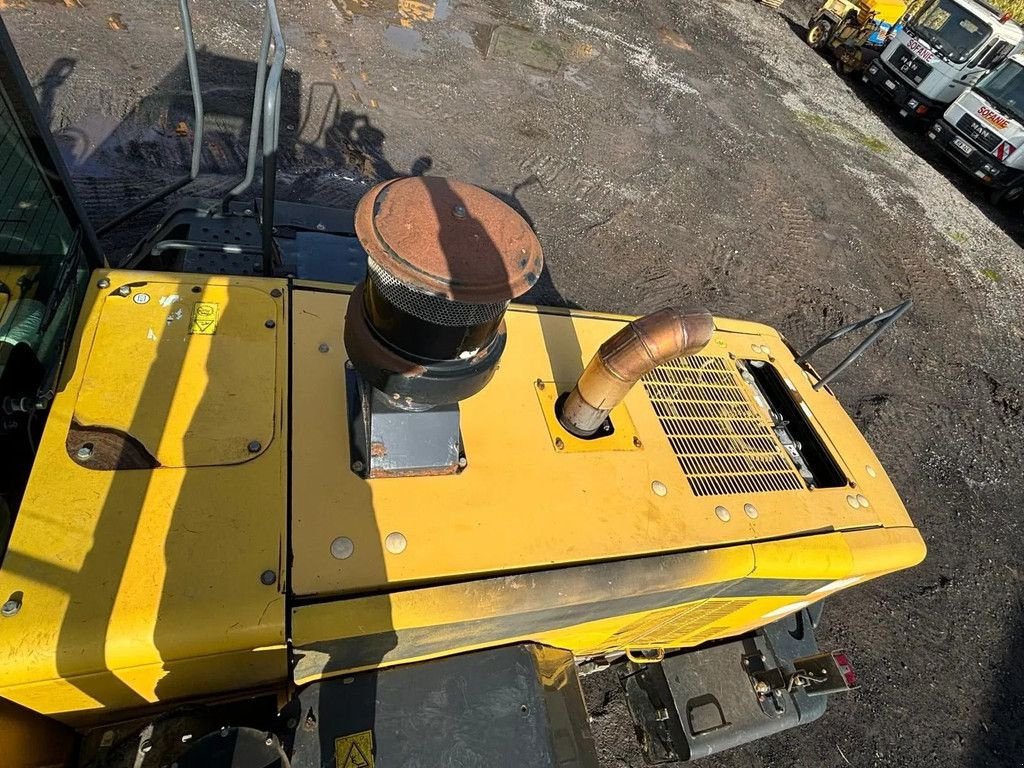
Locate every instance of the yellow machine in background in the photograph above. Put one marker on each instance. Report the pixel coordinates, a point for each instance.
(854, 31)
(309, 520)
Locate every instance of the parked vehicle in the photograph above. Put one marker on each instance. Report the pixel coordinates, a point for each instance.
(983, 129)
(854, 32)
(944, 48)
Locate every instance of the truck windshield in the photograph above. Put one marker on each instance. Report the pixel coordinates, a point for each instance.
(1005, 89)
(950, 29)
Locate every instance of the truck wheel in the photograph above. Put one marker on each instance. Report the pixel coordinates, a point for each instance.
(1006, 196)
(818, 34)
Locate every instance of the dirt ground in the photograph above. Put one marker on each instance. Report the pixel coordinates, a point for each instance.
(665, 151)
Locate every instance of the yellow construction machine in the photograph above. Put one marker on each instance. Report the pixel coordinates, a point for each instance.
(269, 498)
(854, 32)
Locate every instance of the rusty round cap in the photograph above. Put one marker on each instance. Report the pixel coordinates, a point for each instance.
(450, 239)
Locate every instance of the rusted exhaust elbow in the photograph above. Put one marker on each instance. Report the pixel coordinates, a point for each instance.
(623, 359)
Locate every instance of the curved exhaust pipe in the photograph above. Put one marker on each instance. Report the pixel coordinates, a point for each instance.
(622, 360)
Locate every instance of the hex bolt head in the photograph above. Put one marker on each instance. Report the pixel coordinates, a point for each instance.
(255, 446)
(358, 466)
(10, 608)
(103, 283)
(268, 577)
(124, 290)
(84, 453)
(459, 211)
(559, 444)
(270, 741)
(540, 384)
(325, 348)
(270, 324)
(637, 443)
(462, 461)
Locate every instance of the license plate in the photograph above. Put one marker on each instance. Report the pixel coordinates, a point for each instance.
(890, 85)
(963, 146)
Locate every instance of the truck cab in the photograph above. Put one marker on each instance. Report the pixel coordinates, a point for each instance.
(983, 129)
(944, 48)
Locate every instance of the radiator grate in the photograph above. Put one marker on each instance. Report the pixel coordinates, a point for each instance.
(723, 443)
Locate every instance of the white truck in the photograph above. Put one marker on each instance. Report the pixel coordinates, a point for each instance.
(984, 129)
(944, 48)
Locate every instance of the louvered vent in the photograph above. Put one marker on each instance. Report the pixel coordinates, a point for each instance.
(723, 443)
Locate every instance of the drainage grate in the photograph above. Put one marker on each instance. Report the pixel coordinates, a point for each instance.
(723, 443)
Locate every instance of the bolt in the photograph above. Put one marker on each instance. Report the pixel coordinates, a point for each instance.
(224, 730)
(320, 226)
(540, 384)
(637, 443)
(325, 348)
(276, 293)
(196, 289)
(395, 543)
(559, 444)
(145, 746)
(248, 211)
(268, 578)
(358, 466)
(270, 741)
(761, 688)
(310, 722)
(659, 488)
(84, 453)
(348, 365)
(103, 283)
(606, 427)
(124, 290)
(255, 446)
(11, 607)
(462, 461)
(396, 396)
(750, 510)
(459, 212)
(270, 324)
(723, 514)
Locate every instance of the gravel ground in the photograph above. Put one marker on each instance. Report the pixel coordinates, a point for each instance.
(665, 151)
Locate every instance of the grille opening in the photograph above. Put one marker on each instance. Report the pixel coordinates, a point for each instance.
(792, 427)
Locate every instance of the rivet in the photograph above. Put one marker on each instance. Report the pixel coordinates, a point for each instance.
(325, 348)
(559, 444)
(751, 510)
(659, 488)
(270, 324)
(852, 501)
(862, 501)
(342, 548)
(723, 514)
(637, 443)
(267, 578)
(10, 608)
(871, 471)
(358, 466)
(103, 283)
(395, 543)
(276, 293)
(255, 446)
(124, 290)
(459, 212)
(84, 453)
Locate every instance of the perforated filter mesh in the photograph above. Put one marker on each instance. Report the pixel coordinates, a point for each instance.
(433, 309)
(723, 443)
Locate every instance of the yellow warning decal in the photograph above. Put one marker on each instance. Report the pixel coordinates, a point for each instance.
(354, 750)
(204, 318)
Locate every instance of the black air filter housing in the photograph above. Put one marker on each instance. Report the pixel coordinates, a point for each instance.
(445, 259)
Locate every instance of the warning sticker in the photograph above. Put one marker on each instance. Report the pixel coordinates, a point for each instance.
(204, 318)
(354, 750)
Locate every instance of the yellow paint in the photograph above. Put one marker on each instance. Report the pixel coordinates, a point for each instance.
(144, 585)
(204, 318)
(354, 750)
(521, 504)
(622, 439)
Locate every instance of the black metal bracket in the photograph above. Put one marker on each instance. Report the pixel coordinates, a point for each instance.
(882, 320)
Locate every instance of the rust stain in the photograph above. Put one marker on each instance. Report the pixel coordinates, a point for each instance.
(378, 449)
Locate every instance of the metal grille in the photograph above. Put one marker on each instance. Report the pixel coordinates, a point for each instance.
(723, 443)
(433, 309)
(909, 65)
(678, 625)
(979, 133)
